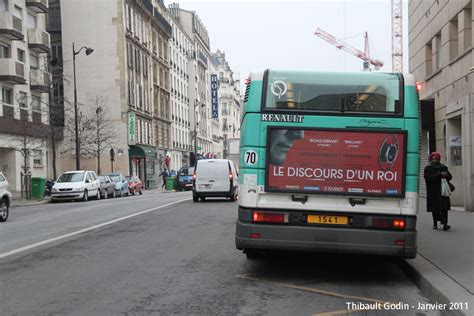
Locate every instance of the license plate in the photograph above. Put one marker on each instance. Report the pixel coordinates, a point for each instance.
(205, 186)
(328, 220)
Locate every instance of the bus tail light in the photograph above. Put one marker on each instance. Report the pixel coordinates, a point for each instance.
(266, 217)
(399, 223)
(388, 223)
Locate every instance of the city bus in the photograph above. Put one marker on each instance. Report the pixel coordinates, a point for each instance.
(329, 162)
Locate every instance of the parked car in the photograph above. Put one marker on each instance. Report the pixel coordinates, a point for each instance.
(76, 185)
(215, 178)
(135, 185)
(107, 187)
(121, 183)
(185, 178)
(5, 198)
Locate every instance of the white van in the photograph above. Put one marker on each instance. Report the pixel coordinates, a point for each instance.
(215, 178)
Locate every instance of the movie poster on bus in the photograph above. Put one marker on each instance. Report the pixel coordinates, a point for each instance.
(336, 161)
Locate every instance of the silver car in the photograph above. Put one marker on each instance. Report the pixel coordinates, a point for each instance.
(5, 198)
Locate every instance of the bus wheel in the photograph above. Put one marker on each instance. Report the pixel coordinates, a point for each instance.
(252, 254)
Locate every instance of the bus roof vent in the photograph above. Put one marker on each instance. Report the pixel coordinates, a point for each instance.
(247, 90)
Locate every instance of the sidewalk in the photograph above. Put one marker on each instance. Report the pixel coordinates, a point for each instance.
(444, 266)
(17, 201)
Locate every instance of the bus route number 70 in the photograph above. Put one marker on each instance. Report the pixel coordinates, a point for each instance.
(251, 157)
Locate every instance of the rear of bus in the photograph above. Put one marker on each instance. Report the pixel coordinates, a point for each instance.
(329, 163)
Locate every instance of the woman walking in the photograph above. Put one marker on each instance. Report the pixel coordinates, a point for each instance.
(436, 203)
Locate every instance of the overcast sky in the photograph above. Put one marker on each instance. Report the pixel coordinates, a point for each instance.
(279, 34)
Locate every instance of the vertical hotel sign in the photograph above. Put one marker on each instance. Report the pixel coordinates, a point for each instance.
(214, 86)
(131, 128)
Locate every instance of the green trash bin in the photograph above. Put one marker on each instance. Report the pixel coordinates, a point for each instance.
(37, 187)
(170, 183)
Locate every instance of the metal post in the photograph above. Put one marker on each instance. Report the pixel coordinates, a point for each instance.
(76, 119)
(195, 128)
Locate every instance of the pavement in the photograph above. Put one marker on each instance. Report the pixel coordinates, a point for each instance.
(444, 266)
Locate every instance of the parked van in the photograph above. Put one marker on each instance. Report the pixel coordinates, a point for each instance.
(215, 178)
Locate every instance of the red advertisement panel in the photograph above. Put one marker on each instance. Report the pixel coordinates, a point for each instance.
(349, 162)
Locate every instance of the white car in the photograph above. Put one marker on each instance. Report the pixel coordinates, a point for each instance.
(76, 185)
(5, 198)
(215, 178)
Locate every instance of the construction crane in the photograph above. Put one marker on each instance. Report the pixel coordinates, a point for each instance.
(364, 55)
(397, 38)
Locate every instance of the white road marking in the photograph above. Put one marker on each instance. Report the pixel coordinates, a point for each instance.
(44, 242)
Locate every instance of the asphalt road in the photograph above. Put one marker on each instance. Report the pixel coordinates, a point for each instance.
(175, 260)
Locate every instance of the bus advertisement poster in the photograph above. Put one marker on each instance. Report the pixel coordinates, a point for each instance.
(336, 161)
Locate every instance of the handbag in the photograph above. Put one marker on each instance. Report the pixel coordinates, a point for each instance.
(445, 190)
(451, 186)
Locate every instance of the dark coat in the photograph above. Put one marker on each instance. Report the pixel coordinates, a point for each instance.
(434, 200)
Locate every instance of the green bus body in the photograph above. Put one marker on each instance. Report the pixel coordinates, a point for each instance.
(360, 234)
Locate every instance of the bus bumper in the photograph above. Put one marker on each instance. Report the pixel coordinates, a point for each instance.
(325, 239)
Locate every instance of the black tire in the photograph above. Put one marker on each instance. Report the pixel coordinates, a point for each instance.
(85, 197)
(232, 197)
(252, 254)
(132, 192)
(203, 198)
(4, 210)
(140, 192)
(195, 198)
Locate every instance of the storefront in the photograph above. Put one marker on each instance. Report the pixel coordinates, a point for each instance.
(142, 163)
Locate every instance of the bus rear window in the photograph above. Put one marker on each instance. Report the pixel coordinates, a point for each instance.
(334, 92)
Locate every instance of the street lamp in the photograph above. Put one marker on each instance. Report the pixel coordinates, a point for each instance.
(76, 119)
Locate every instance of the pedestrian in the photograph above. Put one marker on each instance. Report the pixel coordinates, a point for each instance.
(436, 203)
(164, 174)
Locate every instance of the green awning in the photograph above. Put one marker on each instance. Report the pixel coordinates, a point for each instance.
(142, 151)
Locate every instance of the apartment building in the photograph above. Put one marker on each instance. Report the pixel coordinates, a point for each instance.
(25, 132)
(181, 49)
(126, 76)
(199, 78)
(229, 100)
(441, 58)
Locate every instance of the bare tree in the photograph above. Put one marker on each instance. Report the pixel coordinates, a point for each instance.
(104, 133)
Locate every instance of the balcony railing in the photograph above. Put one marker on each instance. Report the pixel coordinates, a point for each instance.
(11, 27)
(39, 6)
(162, 22)
(12, 71)
(40, 80)
(38, 40)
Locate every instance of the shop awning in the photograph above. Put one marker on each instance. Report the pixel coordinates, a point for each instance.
(144, 151)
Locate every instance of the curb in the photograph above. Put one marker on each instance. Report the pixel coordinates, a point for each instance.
(437, 286)
(14, 205)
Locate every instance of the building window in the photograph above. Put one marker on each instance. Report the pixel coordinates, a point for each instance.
(4, 50)
(57, 52)
(437, 57)
(22, 100)
(34, 62)
(7, 96)
(467, 28)
(20, 55)
(36, 104)
(3, 5)
(429, 58)
(37, 158)
(31, 21)
(18, 12)
(453, 38)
